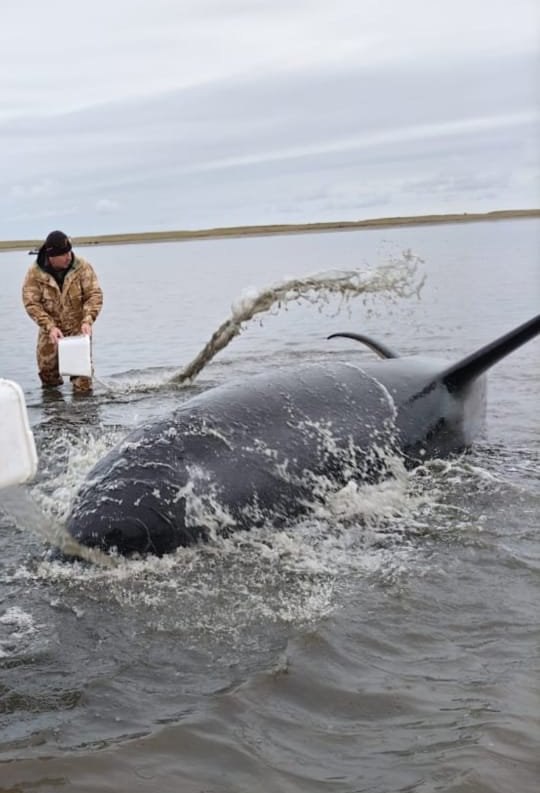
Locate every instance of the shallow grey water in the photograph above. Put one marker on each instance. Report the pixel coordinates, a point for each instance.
(389, 643)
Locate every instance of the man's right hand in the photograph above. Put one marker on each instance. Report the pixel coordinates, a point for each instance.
(55, 334)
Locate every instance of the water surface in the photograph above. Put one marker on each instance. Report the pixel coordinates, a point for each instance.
(388, 643)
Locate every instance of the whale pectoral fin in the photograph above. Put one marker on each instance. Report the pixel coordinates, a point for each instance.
(381, 349)
(463, 372)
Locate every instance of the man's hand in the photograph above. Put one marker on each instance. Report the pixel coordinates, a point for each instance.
(86, 329)
(55, 334)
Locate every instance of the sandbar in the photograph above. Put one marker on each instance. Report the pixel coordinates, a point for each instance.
(293, 228)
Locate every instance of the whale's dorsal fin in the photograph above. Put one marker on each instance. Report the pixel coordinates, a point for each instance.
(376, 346)
(460, 374)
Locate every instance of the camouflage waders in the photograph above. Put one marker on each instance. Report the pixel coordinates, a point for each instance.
(78, 302)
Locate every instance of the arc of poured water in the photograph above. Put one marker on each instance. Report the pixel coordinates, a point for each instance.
(395, 280)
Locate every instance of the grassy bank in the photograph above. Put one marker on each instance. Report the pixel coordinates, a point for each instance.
(294, 228)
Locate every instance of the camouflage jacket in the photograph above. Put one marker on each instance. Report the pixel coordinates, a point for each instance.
(79, 301)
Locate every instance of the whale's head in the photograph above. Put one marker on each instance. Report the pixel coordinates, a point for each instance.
(123, 526)
(131, 530)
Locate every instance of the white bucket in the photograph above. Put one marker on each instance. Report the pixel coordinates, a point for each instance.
(74, 356)
(18, 457)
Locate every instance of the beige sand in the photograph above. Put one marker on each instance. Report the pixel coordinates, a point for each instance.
(294, 228)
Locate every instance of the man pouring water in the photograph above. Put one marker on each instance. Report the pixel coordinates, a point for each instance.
(62, 295)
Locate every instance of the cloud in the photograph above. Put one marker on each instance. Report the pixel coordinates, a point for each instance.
(106, 206)
(238, 112)
(41, 189)
(131, 48)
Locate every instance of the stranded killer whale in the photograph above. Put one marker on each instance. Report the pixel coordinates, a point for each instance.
(267, 448)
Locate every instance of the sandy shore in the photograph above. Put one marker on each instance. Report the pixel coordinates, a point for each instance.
(294, 228)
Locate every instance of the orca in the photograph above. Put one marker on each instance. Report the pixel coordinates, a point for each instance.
(265, 449)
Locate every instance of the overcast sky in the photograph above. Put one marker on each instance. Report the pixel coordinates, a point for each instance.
(141, 115)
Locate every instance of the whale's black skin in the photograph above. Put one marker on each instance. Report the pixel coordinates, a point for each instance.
(242, 453)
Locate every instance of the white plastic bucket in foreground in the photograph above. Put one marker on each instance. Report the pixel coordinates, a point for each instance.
(18, 458)
(74, 356)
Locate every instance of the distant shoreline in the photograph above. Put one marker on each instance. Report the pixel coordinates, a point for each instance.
(293, 228)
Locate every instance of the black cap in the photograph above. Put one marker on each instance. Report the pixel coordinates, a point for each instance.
(57, 243)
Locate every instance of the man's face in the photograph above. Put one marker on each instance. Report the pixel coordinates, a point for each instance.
(60, 262)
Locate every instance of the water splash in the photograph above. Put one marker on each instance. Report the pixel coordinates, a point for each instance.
(43, 507)
(393, 281)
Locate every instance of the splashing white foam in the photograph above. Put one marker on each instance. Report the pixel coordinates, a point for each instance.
(398, 279)
(15, 625)
(392, 281)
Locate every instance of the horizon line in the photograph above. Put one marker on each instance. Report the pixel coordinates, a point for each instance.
(172, 235)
